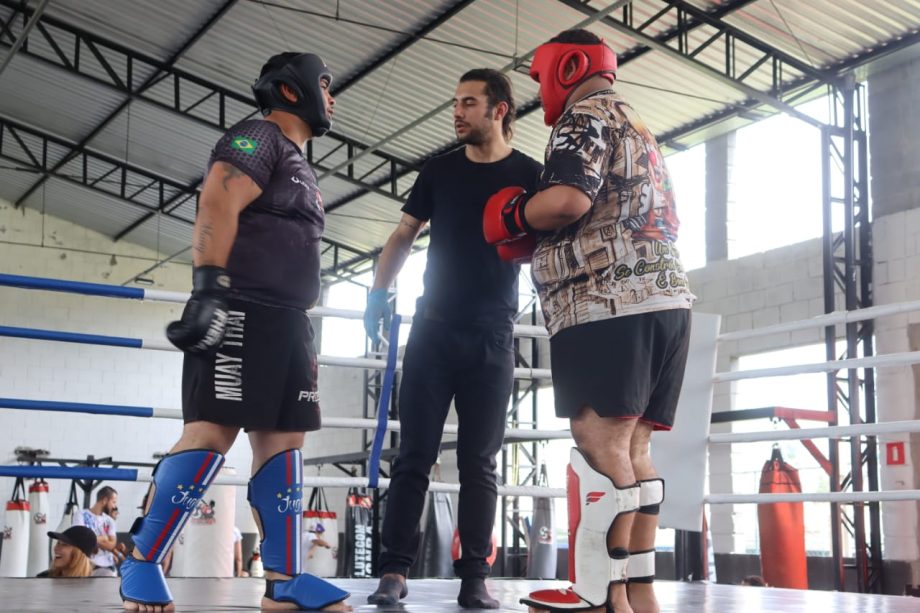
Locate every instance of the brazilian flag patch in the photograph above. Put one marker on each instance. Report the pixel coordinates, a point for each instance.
(245, 144)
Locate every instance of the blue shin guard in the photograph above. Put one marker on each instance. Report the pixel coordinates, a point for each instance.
(276, 496)
(179, 481)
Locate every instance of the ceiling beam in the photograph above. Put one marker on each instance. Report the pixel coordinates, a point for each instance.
(731, 38)
(227, 5)
(409, 40)
(186, 92)
(104, 174)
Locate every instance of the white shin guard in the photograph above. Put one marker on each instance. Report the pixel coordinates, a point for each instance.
(594, 504)
(642, 563)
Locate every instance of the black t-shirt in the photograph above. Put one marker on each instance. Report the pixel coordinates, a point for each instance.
(465, 281)
(276, 256)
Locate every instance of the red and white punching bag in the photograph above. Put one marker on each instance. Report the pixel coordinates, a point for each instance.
(14, 558)
(39, 542)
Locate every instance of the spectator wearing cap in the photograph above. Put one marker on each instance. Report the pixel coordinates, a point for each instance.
(72, 550)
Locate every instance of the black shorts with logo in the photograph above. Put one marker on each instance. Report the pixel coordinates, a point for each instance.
(263, 377)
(631, 366)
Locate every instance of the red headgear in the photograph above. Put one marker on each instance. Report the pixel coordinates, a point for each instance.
(549, 65)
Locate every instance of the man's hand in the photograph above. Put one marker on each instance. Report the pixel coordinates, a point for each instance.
(503, 218)
(378, 309)
(204, 319)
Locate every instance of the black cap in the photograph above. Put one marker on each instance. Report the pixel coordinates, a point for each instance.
(80, 537)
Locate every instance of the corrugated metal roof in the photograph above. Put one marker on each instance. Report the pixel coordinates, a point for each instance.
(52, 99)
(153, 28)
(235, 49)
(668, 92)
(158, 140)
(83, 206)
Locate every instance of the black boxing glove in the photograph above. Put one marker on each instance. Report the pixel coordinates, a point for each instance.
(204, 319)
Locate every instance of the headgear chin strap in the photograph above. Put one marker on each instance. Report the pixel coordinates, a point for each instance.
(548, 70)
(303, 74)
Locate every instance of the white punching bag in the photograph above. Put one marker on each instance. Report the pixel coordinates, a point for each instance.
(39, 542)
(14, 558)
(207, 539)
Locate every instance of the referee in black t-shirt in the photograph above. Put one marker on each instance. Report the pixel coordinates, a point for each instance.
(460, 347)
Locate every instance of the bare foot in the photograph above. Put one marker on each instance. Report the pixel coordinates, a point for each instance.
(272, 605)
(148, 608)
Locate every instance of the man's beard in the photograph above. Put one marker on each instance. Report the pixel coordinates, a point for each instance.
(473, 137)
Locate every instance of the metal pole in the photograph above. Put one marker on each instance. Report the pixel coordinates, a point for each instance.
(23, 35)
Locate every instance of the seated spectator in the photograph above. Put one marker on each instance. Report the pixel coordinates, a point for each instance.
(98, 518)
(72, 550)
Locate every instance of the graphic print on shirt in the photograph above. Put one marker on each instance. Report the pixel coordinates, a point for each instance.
(619, 258)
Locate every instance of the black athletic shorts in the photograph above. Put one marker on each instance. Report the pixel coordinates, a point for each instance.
(628, 367)
(263, 377)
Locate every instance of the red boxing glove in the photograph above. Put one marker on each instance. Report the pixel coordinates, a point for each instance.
(517, 250)
(503, 218)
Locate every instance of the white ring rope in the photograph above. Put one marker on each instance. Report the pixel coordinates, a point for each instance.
(832, 432)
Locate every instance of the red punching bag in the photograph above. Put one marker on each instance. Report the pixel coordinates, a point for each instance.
(782, 527)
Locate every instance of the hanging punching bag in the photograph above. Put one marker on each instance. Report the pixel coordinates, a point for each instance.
(541, 554)
(39, 543)
(434, 559)
(14, 558)
(541, 545)
(782, 527)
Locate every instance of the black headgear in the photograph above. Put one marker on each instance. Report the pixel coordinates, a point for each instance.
(303, 73)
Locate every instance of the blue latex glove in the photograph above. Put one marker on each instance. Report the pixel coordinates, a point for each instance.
(378, 309)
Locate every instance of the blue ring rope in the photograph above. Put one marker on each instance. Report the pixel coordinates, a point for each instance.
(75, 407)
(71, 337)
(76, 287)
(373, 469)
(70, 472)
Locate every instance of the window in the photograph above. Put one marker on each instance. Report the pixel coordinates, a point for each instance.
(775, 192)
(688, 173)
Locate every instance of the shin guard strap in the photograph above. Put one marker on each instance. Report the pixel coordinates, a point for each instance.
(651, 495)
(619, 563)
(641, 566)
(179, 482)
(276, 496)
(143, 583)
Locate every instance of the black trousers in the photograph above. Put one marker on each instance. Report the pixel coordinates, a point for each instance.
(474, 367)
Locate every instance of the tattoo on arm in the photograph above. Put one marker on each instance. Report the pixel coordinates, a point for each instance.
(231, 172)
(204, 237)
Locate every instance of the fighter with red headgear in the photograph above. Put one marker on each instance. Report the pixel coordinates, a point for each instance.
(617, 306)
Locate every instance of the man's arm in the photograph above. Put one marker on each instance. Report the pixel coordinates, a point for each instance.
(238, 558)
(397, 249)
(108, 541)
(227, 191)
(556, 207)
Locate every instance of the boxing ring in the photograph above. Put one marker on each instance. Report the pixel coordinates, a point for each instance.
(682, 463)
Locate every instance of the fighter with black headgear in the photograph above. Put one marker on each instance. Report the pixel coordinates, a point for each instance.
(249, 360)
